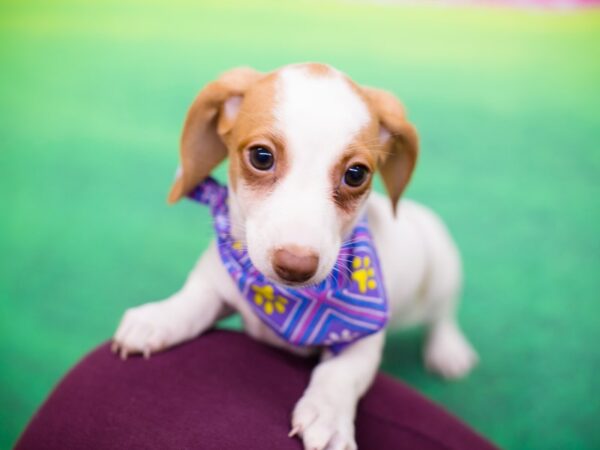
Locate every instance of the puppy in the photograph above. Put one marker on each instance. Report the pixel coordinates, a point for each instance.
(303, 144)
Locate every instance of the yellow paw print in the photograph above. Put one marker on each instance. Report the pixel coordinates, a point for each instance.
(363, 273)
(264, 296)
(237, 246)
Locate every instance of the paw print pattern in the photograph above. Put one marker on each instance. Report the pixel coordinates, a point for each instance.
(344, 336)
(363, 274)
(265, 297)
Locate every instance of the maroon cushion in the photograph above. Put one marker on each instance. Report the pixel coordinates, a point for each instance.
(220, 391)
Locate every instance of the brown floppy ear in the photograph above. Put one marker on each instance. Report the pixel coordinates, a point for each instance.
(400, 143)
(209, 117)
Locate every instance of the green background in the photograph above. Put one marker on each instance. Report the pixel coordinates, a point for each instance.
(507, 102)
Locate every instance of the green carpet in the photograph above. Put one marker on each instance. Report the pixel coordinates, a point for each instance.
(92, 97)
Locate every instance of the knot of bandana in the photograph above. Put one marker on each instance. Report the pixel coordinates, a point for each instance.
(348, 305)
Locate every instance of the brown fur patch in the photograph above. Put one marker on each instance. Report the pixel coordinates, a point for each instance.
(399, 153)
(254, 125)
(201, 147)
(318, 69)
(361, 152)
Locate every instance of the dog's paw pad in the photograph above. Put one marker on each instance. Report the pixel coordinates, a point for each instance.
(449, 354)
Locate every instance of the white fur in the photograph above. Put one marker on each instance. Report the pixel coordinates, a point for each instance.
(420, 264)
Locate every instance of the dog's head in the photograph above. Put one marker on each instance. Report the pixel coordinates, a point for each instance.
(303, 144)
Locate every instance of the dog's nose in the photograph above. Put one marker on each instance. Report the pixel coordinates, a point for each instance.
(295, 264)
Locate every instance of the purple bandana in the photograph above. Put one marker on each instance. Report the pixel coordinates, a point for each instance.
(348, 305)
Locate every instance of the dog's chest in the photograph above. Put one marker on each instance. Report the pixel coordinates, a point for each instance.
(257, 329)
(253, 325)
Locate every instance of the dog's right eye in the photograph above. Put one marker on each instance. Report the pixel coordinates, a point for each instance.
(261, 157)
(356, 175)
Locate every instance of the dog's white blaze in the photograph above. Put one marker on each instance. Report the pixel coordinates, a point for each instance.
(318, 116)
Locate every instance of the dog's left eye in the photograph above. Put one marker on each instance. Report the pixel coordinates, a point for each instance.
(261, 157)
(356, 175)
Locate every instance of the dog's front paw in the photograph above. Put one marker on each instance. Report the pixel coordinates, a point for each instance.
(148, 329)
(323, 424)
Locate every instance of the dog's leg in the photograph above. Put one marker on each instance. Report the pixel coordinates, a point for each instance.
(447, 351)
(324, 416)
(158, 325)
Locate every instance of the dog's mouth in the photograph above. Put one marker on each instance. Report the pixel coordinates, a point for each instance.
(293, 284)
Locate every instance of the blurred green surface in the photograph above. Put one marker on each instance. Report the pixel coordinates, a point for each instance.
(92, 96)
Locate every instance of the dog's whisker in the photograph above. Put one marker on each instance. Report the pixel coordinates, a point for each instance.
(340, 271)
